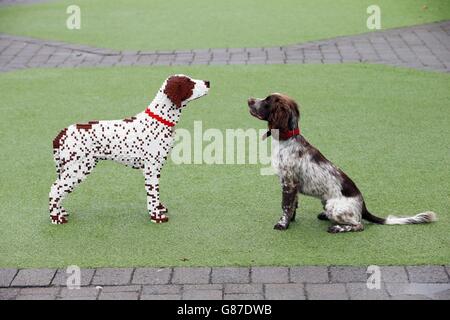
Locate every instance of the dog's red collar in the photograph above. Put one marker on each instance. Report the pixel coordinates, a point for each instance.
(284, 135)
(159, 118)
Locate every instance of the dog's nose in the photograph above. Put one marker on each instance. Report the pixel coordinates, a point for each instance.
(207, 84)
(251, 101)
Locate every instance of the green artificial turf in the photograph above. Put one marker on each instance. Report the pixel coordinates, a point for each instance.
(177, 24)
(386, 127)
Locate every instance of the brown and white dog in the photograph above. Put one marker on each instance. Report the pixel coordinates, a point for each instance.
(141, 142)
(303, 169)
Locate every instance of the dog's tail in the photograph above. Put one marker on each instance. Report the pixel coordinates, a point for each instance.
(423, 217)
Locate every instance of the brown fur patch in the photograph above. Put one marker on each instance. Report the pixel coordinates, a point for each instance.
(283, 111)
(129, 119)
(348, 188)
(178, 89)
(57, 140)
(86, 126)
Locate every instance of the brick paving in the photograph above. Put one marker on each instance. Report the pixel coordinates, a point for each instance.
(425, 47)
(14, 2)
(228, 283)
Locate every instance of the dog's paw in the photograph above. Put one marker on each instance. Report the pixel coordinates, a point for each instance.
(159, 218)
(58, 219)
(280, 226)
(337, 229)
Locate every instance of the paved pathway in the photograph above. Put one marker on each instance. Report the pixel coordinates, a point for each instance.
(300, 283)
(425, 47)
(14, 2)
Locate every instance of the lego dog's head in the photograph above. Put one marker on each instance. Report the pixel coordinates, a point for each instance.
(180, 89)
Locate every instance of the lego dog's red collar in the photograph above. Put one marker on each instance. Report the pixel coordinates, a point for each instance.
(159, 118)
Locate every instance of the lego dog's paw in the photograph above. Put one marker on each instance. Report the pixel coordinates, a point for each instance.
(159, 218)
(162, 208)
(58, 219)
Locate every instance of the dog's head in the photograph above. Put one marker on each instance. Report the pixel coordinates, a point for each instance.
(180, 89)
(280, 111)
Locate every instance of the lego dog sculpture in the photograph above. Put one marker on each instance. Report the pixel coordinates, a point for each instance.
(141, 142)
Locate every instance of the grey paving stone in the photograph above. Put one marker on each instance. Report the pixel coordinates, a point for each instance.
(269, 275)
(348, 274)
(161, 289)
(8, 293)
(7, 276)
(427, 274)
(310, 274)
(425, 47)
(152, 275)
(290, 291)
(119, 296)
(410, 297)
(202, 287)
(251, 288)
(33, 277)
(243, 296)
(360, 291)
(61, 277)
(39, 291)
(161, 297)
(191, 275)
(77, 298)
(443, 295)
(112, 289)
(202, 295)
(393, 274)
(429, 290)
(230, 275)
(326, 291)
(36, 297)
(112, 276)
(84, 292)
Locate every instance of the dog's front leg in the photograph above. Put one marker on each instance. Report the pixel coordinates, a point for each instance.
(152, 188)
(295, 207)
(288, 205)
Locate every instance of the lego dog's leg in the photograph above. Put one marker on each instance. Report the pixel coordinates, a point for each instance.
(73, 173)
(152, 188)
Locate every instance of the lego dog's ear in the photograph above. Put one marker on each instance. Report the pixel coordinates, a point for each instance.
(179, 89)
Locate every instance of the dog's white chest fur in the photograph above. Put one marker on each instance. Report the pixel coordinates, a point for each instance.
(293, 165)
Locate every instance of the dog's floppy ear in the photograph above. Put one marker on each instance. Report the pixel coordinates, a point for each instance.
(280, 114)
(284, 114)
(178, 89)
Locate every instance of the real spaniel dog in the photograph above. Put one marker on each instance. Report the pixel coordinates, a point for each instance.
(141, 142)
(303, 169)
